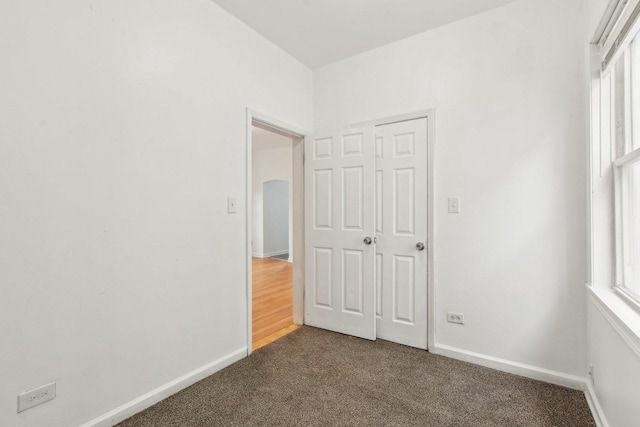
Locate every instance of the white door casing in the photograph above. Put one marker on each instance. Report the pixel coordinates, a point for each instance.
(339, 215)
(401, 224)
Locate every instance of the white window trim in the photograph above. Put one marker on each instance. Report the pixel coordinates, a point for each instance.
(618, 32)
(620, 308)
(626, 294)
(629, 298)
(624, 320)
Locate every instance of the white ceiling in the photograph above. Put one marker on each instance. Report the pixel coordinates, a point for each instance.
(319, 32)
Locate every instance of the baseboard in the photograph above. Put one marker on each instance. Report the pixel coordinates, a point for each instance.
(546, 375)
(594, 405)
(289, 259)
(533, 372)
(143, 402)
(257, 255)
(270, 254)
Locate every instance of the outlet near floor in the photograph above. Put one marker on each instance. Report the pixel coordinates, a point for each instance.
(36, 396)
(455, 317)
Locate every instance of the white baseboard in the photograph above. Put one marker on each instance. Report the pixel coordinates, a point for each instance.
(149, 399)
(533, 372)
(594, 405)
(546, 375)
(143, 402)
(270, 254)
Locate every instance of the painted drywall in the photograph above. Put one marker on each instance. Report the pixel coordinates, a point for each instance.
(123, 132)
(276, 217)
(509, 92)
(272, 160)
(616, 371)
(616, 366)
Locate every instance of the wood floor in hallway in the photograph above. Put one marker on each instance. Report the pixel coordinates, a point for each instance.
(272, 300)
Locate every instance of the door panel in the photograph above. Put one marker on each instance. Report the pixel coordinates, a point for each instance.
(401, 206)
(322, 279)
(403, 201)
(352, 198)
(379, 266)
(322, 194)
(403, 289)
(339, 206)
(352, 264)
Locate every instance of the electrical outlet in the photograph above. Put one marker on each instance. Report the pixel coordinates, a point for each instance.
(36, 396)
(455, 318)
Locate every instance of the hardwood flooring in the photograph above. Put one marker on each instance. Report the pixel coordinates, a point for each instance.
(271, 338)
(272, 300)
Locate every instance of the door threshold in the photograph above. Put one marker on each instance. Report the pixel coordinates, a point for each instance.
(274, 336)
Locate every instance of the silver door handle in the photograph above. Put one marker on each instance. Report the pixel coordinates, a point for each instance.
(420, 246)
(367, 240)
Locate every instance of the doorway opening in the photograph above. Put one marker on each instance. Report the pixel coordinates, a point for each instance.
(276, 207)
(274, 230)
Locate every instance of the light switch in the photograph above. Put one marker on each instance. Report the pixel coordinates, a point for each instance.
(454, 204)
(231, 205)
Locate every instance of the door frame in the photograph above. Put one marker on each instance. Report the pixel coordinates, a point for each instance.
(297, 215)
(430, 115)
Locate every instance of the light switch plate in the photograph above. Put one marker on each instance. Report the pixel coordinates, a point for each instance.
(454, 204)
(231, 205)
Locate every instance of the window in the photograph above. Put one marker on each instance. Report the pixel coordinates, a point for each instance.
(621, 84)
(614, 214)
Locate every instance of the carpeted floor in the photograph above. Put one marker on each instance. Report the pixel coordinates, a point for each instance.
(313, 377)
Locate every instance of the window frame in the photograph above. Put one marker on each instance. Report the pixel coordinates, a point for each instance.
(621, 219)
(612, 37)
(619, 81)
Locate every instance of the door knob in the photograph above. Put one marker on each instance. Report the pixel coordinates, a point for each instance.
(420, 246)
(367, 240)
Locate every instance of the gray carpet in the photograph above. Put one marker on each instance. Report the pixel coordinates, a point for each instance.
(313, 377)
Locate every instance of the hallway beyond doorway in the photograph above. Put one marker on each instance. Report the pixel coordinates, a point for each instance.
(272, 300)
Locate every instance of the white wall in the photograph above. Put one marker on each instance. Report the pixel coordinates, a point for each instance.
(123, 129)
(272, 160)
(276, 217)
(509, 91)
(616, 370)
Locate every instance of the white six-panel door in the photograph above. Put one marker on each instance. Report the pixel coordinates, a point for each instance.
(401, 230)
(339, 215)
(357, 186)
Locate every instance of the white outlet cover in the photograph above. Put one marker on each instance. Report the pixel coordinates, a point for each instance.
(36, 396)
(455, 318)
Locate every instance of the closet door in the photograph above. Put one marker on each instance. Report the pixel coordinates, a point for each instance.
(401, 230)
(339, 232)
